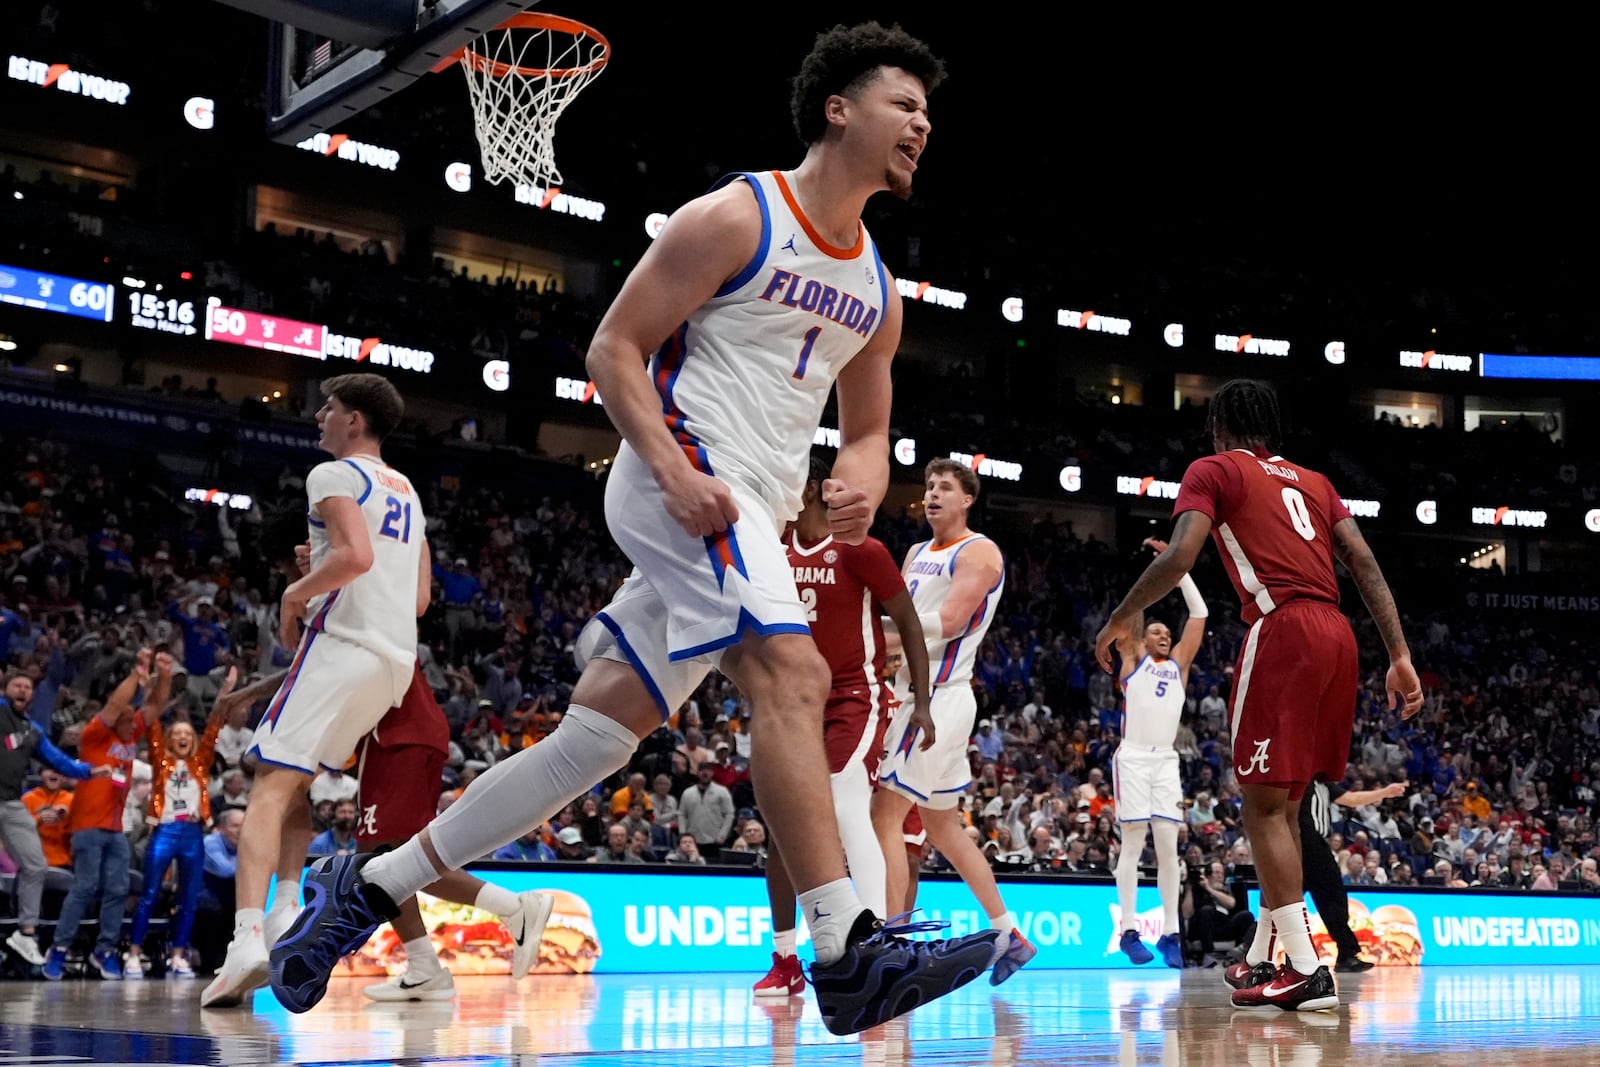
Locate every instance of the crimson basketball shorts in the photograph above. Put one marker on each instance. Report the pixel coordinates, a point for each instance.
(914, 833)
(1294, 697)
(853, 726)
(398, 792)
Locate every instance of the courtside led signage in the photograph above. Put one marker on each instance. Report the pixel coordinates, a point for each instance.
(1333, 352)
(1427, 512)
(928, 293)
(1591, 521)
(61, 76)
(576, 389)
(1251, 345)
(55, 292)
(826, 437)
(344, 147)
(1504, 516)
(1147, 486)
(272, 332)
(1172, 333)
(377, 352)
(653, 223)
(1431, 360)
(1072, 479)
(986, 467)
(497, 375)
(1361, 509)
(553, 199)
(1011, 309)
(458, 176)
(1093, 322)
(905, 451)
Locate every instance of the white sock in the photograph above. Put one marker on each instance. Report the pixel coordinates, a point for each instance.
(502, 902)
(1128, 874)
(282, 902)
(1264, 948)
(1167, 880)
(830, 910)
(1006, 921)
(1294, 927)
(783, 942)
(247, 923)
(421, 960)
(510, 799)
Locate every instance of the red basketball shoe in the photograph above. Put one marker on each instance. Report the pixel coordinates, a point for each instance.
(1292, 991)
(784, 980)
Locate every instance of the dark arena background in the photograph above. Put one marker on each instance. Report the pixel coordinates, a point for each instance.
(207, 209)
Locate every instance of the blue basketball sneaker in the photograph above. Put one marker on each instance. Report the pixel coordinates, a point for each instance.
(1015, 950)
(340, 913)
(881, 975)
(1133, 947)
(1171, 949)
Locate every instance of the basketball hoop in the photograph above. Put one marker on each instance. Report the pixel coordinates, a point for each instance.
(520, 77)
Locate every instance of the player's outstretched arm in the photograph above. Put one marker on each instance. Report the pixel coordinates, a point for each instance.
(704, 243)
(861, 471)
(1405, 688)
(1165, 571)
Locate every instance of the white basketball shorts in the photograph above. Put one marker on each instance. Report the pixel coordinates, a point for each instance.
(1146, 785)
(935, 778)
(688, 598)
(335, 693)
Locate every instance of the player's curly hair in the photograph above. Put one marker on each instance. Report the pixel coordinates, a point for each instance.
(821, 470)
(1246, 411)
(847, 58)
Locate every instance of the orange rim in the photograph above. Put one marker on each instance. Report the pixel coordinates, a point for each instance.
(532, 20)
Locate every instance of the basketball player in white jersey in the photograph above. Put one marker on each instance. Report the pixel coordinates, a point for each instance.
(1144, 771)
(353, 621)
(756, 300)
(955, 580)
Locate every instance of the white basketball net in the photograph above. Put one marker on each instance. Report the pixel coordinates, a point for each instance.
(520, 79)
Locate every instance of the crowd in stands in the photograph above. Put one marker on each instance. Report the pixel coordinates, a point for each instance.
(1502, 766)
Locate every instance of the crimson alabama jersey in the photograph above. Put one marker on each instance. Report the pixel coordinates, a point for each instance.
(838, 585)
(1272, 521)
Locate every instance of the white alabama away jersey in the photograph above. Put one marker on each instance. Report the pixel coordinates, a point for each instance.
(378, 610)
(932, 566)
(1152, 703)
(744, 380)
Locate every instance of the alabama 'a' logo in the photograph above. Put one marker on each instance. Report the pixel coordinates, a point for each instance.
(1258, 762)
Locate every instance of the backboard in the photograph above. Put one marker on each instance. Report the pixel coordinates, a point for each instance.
(330, 59)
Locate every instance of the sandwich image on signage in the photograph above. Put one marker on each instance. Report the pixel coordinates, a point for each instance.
(472, 941)
(1388, 935)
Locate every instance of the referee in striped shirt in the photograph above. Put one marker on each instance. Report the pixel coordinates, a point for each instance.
(1323, 879)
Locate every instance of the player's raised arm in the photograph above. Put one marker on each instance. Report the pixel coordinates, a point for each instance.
(349, 556)
(706, 242)
(1165, 571)
(1405, 688)
(861, 471)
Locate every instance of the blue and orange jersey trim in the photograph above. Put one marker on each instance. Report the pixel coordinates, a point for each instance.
(275, 709)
